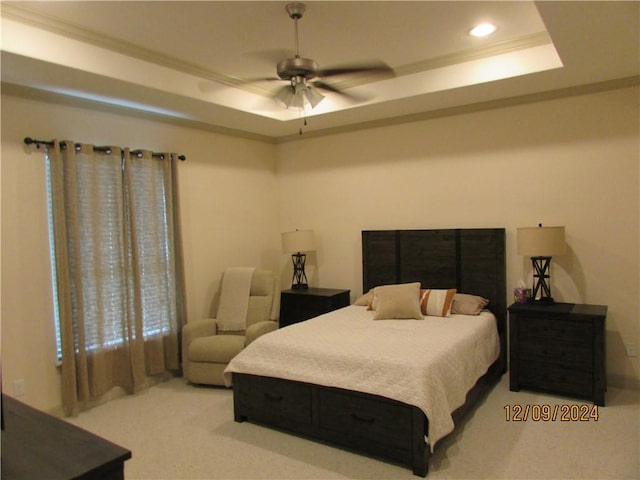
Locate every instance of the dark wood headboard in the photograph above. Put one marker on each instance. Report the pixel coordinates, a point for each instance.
(470, 260)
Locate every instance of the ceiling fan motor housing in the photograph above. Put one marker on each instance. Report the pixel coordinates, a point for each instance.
(297, 67)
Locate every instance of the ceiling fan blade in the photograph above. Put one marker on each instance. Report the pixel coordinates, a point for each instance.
(261, 79)
(377, 68)
(326, 86)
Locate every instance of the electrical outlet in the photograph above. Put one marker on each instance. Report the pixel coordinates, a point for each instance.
(19, 387)
(632, 351)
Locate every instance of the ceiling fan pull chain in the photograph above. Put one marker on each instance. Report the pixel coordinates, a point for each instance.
(302, 113)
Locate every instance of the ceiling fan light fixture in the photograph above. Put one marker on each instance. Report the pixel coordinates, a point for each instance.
(296, 96)
(286, 95)
(299, 93)
(313, 96)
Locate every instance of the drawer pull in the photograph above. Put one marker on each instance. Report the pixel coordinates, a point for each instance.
(361, 419)
(273, 397)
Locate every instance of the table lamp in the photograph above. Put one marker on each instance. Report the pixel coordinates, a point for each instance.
(541, 243)
(295, 243)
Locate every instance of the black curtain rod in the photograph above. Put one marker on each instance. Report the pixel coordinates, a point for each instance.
(31, 141)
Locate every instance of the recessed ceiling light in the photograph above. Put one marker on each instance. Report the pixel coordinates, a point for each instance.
(482, 30)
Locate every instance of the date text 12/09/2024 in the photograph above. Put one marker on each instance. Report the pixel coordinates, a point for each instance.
(551, 413)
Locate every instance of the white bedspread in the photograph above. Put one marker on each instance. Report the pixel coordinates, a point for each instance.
(430, 363)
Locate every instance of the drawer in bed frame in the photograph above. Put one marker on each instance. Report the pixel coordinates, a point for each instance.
(366, 423)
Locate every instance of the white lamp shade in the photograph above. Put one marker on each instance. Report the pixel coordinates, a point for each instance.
(541, 241)
(298, 241)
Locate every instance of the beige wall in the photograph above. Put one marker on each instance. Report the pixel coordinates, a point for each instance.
(229, 210)
(572, 162)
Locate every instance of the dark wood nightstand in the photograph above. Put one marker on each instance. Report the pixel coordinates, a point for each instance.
(299, 305)
(558, 348)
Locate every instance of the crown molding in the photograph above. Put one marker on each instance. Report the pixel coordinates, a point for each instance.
(29, 17)
(31, 93)
(75, 32)
(627, 82)
(34, 94)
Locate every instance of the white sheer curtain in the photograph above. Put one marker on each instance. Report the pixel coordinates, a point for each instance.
(118, 267)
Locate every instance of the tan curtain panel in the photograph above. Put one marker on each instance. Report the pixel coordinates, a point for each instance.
(118, 268)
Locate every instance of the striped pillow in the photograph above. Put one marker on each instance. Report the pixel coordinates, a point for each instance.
(437, 303)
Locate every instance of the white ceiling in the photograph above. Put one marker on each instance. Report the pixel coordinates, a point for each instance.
(190, 61)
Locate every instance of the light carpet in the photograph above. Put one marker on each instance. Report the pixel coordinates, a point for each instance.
(180, 431)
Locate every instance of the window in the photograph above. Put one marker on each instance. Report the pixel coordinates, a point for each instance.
(119, 250)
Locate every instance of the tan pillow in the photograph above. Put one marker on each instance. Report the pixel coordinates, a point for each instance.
(437, 303)
(397, 301)
(466, 304)
(365, 300)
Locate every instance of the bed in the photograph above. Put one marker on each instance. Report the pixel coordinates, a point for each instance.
(366, 393)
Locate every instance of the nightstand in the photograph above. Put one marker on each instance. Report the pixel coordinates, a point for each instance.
(558, 348)
(299, 305)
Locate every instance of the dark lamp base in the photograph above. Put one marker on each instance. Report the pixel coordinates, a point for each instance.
(299, 280)
(541, 269)
(543, 301)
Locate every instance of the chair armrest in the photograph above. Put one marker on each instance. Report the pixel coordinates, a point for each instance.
(257, 329)
(198, 328)
(192, 330)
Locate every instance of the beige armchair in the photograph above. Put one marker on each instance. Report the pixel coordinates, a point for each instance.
(206, 350)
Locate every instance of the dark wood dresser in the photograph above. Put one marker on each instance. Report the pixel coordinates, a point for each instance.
(558, 348)
(299, 305)
(36, 445)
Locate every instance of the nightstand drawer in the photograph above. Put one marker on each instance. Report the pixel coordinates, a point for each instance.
(567, 355)
(555, 328)
(556, 379)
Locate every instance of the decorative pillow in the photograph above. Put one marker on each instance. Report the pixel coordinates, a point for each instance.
(365, 300)
(437, 303)
(468, 304)
(397, 301)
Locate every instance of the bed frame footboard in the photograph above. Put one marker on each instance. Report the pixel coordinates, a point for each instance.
(368, 424)
(364, 423)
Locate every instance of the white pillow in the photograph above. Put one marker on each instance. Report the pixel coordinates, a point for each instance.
(401, 301)
(365, 300)
(468, 304)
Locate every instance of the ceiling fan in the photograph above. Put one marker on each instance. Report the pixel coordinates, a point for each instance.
(305, 76)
